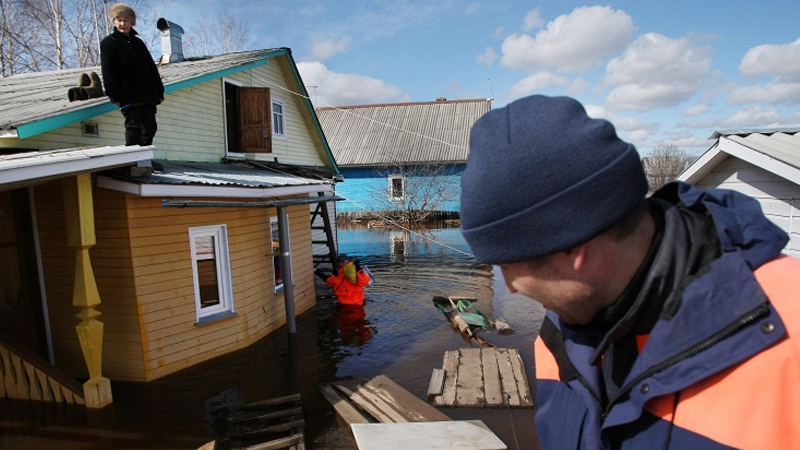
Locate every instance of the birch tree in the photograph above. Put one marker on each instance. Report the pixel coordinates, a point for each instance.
(39, 35)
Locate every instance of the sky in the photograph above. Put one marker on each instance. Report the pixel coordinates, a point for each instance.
(664, 73)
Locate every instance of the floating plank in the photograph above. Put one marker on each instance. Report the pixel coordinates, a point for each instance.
(436, 386)
(457, 434)
(484, 377)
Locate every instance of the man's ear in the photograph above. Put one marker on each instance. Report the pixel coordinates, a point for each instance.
(578, 255)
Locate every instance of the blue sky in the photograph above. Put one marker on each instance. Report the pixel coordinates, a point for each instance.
(662, 72)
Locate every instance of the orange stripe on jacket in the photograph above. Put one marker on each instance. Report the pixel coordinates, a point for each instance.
(546, 367)
(755, 404)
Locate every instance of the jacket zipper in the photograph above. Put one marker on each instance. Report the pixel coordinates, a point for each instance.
(743, 322)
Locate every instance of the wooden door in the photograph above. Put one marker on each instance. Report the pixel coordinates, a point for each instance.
(256, 120)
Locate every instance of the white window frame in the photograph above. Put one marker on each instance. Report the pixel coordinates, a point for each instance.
(392, 197)
(278, 118)
(219, 233)
(276, 252)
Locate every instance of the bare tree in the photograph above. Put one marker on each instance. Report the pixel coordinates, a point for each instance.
(38, 35)
(414, 192)
(224, 34)
(664, 164)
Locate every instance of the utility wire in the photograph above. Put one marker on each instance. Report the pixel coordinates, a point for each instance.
(363, 207)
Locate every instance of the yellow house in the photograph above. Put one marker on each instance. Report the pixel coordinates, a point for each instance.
(132, 263)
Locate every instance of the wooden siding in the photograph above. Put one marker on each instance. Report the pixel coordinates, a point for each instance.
(298, 147)
(162, 265)
(142, 263)
(779, 198)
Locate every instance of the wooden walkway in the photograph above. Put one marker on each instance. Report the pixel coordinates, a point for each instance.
(481, 377)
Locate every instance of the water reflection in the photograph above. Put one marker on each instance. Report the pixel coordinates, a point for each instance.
(398, 333)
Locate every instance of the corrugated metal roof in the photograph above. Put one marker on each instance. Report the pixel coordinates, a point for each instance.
(782, 145)
(220, 174)
(401, 133)
(774, 150)
(31, 97)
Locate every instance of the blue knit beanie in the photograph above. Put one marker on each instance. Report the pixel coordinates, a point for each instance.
(542, 177)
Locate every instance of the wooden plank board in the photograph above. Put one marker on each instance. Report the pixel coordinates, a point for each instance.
(523, 388)
(372, 404)
(381, 399)
(436, 385)
(450, 367)
(492, 385)
(510, 388)
(344, 409)
(469, 387)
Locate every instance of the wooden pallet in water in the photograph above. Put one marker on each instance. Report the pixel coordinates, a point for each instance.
(481, 377)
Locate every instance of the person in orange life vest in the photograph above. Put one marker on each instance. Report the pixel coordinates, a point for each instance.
(348, 284)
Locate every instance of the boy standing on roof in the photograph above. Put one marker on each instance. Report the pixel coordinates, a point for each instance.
(130, 77)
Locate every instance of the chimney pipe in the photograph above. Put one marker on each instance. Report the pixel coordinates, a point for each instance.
(171, 41)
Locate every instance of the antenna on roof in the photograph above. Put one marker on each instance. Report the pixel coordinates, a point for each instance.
(491, 88)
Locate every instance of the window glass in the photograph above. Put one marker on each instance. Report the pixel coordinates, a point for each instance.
(396, 188)
(278, 120)
(211, 270)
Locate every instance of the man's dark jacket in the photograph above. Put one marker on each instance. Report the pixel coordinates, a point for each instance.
(130, 76)
(704, 352)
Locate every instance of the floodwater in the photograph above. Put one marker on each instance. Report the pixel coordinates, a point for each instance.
(399, 333)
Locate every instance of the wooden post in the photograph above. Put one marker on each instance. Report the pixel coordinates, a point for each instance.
(79, 213)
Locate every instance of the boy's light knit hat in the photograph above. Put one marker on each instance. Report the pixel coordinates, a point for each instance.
(121, 9)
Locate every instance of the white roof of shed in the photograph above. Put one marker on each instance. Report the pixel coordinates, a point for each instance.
(776, 150)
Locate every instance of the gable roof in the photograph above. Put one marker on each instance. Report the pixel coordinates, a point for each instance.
(404, 133)
(774, 150)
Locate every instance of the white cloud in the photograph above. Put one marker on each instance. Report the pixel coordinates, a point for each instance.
(533, 21)
(323, 50)
(342, 89)
(760, 117)
(571, 43)
(656, 71)
(630, 129)
(541, 80)
(757, 116)
(775, 92)
(488, 57)
(696, 110)
(780, 61)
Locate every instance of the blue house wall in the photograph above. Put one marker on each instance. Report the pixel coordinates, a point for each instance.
(361, 185)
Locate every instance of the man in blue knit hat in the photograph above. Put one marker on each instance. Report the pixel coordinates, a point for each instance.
(672, 320)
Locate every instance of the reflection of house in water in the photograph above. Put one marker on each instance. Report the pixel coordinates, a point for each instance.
(397, 244)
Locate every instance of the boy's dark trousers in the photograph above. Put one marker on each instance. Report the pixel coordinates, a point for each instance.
(140, 124)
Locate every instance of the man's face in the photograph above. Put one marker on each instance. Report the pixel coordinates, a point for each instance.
(552, 282)
(123, 24)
